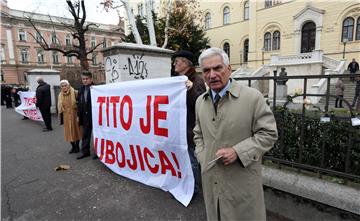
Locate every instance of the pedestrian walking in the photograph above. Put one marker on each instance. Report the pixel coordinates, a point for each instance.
(67, 108)
(357, 92)
(353, 67)
(339, 91)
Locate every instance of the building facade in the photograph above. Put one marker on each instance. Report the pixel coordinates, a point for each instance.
(253, 31)
(20, 52)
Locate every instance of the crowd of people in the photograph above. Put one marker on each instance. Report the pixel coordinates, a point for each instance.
(229, 129)
(10, 96)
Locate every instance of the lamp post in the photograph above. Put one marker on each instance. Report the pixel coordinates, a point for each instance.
(262, 55)
(344, 42)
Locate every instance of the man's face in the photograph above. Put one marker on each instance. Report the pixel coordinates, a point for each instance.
(181, 65)
(86, 80)
(216, 73)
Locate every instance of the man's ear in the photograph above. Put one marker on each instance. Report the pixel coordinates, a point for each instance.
(229, 67)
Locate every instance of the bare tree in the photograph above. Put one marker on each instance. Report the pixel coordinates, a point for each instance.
(78, 30)
(115, 4)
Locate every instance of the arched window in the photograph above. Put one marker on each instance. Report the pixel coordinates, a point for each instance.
(267, 41)
(226, 48)
(226, 15)
(246, 50)
(308, 37)
(348, 29)
(246, 10)
(357, 37)
(276, 40)
(208, 20)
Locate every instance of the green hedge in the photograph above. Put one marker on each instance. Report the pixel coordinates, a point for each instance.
(335, 136)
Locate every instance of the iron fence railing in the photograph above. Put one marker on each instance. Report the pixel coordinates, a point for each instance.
(307, 144)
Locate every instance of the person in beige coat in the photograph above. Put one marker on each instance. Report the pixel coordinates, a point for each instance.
(67, 109)
(339, 91)
(234, 128)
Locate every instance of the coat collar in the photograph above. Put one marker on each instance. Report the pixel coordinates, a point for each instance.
(234, 90)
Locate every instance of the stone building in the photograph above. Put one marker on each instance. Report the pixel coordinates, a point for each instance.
(20, 52)
(252, 31)
(306, 37)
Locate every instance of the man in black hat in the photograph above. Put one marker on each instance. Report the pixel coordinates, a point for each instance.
(184, 65)
(84, 113)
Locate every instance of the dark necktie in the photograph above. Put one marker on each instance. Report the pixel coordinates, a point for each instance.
(216, 102)
(86, 91)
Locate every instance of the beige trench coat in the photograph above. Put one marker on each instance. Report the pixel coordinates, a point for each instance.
(72, 131)
(247, 124)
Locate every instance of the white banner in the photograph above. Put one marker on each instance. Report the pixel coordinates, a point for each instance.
(140, 132)
(28, 106)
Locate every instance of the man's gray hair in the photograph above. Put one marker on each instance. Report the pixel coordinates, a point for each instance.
(39, 79)
(213, 52)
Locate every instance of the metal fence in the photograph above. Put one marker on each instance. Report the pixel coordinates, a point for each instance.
(328, 149)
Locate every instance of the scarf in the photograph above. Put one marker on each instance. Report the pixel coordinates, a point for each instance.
(62, 95)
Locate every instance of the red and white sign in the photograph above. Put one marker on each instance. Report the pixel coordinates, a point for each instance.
(139, 132)
(28, 106)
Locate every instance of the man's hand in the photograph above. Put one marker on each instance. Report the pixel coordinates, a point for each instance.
(228, 154)
(188, 84)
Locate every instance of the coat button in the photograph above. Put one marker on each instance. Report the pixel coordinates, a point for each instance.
(215, 183)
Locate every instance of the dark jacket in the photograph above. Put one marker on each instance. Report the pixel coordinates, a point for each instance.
(353, 68)
(43, 96)
(197, 89)
(84, 108)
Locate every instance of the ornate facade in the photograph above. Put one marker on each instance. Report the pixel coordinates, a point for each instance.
(20, 52)
(253, 31)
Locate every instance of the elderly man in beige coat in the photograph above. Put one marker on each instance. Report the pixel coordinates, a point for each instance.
(234, 128)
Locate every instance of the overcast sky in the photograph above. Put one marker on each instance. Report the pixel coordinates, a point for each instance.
(94, 11)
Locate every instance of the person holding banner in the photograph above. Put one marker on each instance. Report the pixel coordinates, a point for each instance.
(234, 128)
(84, 113)
(43, 102)
(183, 64)
(67, 108)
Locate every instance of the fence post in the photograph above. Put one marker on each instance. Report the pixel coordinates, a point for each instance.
(274, 96)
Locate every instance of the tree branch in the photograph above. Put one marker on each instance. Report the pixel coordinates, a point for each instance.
(94, 48)
(83, 11)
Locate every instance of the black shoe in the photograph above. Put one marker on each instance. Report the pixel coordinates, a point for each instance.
(47, 129)
(95, 157)
(74, 151)
(83, 156)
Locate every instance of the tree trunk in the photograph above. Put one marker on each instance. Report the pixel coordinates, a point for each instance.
(150, 23)
(167, 24)
(131, 18)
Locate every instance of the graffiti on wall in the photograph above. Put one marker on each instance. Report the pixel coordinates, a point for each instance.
(110, 66)
(133, 65)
